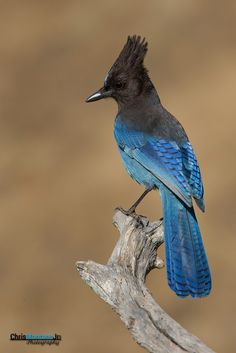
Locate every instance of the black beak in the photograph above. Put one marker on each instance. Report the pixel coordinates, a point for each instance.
(100, 94)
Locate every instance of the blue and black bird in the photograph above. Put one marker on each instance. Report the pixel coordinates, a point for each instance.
(156, 153)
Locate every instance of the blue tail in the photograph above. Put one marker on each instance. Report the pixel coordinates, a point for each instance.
(186, 261)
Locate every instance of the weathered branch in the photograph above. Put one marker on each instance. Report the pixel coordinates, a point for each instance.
(121, 284)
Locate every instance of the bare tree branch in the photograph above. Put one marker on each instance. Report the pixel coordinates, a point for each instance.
(121, 284)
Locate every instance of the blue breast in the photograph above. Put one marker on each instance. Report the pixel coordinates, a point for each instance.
(128, 140)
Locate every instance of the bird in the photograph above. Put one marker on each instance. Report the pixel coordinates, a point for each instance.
(157, 154)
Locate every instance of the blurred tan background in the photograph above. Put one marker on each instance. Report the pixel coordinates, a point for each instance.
(61, 175)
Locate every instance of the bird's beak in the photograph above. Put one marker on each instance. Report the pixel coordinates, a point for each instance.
(101, 93)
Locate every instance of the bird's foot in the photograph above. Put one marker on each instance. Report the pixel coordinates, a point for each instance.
(129, 212)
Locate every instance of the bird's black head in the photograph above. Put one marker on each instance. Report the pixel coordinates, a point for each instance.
(128, 77)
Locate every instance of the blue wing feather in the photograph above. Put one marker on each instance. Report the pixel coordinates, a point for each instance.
(160, 157)
(176, 167)
(166, 165)
(192, 173)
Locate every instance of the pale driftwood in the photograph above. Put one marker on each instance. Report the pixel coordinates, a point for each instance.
(120, 283)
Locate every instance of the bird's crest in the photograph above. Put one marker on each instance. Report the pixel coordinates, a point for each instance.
(133, 53)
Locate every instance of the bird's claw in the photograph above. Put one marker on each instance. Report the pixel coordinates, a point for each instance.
(129, 212)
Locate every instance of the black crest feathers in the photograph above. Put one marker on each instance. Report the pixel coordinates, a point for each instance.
(133, 53)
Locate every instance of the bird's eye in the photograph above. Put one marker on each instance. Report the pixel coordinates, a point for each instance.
(119, 85)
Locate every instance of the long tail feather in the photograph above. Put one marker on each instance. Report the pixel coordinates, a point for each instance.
(187, 267)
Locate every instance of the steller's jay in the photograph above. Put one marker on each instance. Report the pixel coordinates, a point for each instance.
(156, 153)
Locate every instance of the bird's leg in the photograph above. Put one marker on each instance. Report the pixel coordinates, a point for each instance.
(133, 207)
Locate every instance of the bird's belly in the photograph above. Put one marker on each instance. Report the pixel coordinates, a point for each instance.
(140, 174)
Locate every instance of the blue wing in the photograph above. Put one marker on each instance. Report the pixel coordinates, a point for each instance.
(175, 167)
(192, 173)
